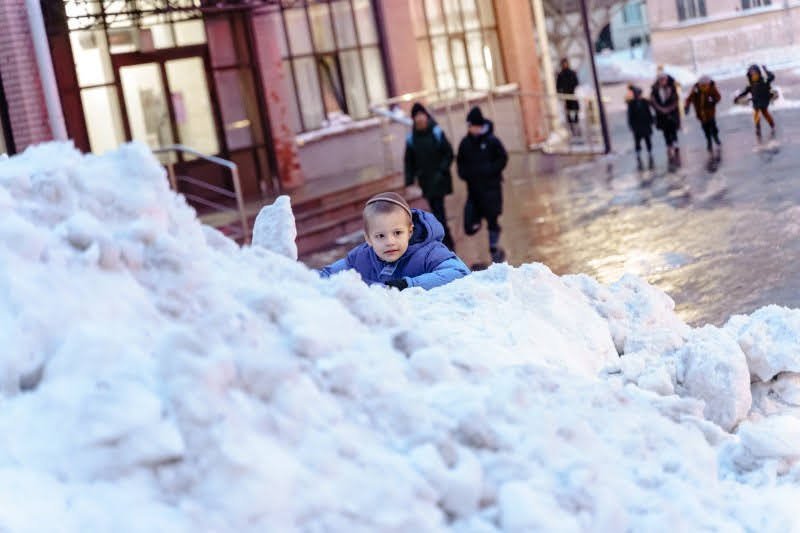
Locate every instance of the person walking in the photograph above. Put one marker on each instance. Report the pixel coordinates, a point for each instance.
(566, 83)
(427, 160)
(760, 90)
(664, 99)
(640, 121)
(480, 162)
(704, 96)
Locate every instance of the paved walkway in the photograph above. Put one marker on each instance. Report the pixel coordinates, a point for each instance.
(719, 239)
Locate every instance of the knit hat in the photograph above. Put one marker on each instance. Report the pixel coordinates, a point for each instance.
(392, 198)
(475, 117)
(417, 108)
(703, 80)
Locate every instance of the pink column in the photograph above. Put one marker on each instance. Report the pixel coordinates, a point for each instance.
(518, 41)
(400, 44)
(26, 108)
(276, 93)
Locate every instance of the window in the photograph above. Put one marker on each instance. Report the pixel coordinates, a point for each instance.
(331, 50)
(689, 9)
(747, 4)
(632, 14)
(98, 31)
(457, 44)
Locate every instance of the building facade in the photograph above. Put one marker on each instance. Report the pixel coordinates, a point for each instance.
(704, 33)
(282, 88)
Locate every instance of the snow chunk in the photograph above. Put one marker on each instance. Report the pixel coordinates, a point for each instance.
(770, 338)
(274, 228)
(713, 368)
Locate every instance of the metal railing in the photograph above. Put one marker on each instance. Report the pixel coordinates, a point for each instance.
(214, 218)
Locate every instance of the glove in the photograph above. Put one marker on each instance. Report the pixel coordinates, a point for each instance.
(398, 284)
(686, 110)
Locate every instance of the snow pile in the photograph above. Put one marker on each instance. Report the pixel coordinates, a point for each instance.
(157, 377)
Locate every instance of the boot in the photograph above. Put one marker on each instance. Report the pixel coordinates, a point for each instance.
(498, 254)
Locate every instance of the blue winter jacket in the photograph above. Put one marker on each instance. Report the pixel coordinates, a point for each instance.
(427, 263)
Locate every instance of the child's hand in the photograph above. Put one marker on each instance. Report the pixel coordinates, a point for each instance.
(398, 284)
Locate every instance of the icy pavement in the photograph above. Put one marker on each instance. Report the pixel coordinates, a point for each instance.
(720, 239)
(156, 377)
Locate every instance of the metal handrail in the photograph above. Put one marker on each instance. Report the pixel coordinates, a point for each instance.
(230, 165)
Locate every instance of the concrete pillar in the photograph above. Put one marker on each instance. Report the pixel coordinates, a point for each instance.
(23, 89)
(401, 45)
(518, 41)
(277, 96)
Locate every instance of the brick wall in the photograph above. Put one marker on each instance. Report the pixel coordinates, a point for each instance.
(27, 112)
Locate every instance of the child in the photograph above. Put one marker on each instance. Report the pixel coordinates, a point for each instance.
(761, 94)
(480, 161)
(640, 120)
(403, 249)
(664, 99)
(427, 160)
(704, 95)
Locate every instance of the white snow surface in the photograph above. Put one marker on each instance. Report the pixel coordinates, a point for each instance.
(157, 377)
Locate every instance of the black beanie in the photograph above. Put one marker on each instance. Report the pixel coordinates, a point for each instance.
(475, 117)
(417, 108)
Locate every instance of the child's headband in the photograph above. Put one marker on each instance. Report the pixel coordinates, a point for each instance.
(391, 201)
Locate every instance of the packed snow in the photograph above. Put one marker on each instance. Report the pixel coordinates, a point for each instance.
(626, 66)
(157, 377)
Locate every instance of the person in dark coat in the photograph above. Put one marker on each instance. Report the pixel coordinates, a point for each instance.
(640, 121)
(403, 248)
(704, 97)
(664, 99)
(480, 161)
(566, 83)
(428, 158)
(760, 90)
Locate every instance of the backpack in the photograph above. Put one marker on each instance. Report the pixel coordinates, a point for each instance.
(438, 134)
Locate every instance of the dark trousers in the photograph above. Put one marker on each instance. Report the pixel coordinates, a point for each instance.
(711, 131)
(670, 135)
(638, 138)
(437, 208)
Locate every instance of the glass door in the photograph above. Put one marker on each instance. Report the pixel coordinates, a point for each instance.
(166, 100)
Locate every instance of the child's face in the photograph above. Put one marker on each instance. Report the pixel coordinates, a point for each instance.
(475, 130)
(389, 234)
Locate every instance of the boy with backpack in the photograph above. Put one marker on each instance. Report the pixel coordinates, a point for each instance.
(640, 121)
(480, 162)
(428, 157)
(403, 248)
(760, 90)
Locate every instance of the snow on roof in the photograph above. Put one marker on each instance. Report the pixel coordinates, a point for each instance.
(157, 377)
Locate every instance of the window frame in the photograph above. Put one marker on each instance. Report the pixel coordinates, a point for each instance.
(483, 29)
(755, 4)
(697, 6)
(321, 58)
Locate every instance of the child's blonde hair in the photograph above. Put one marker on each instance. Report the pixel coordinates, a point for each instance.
(384, 203)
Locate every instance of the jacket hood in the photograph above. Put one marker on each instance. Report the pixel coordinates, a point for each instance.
(426, 229)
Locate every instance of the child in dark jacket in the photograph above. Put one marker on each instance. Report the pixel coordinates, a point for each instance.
(640, 120)
(760, 90)
(664, 99)
(481, 159)
(403, 249)
(704, 96)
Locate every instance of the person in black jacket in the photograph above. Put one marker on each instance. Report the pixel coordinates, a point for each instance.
(480, 161)
(428, 158)
(566, 83)
(664, 99)
(760, 90)
(640, 121)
